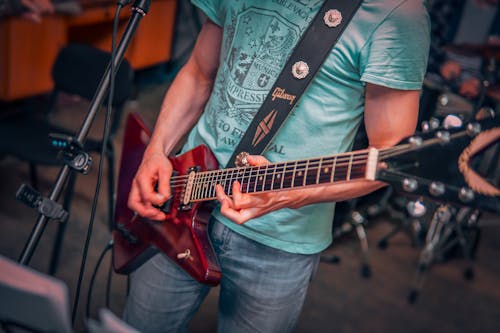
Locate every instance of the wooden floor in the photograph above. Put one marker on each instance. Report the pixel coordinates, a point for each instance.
(340, 299)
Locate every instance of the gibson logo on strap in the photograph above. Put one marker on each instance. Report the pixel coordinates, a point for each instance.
(280, 94)
(264, 127)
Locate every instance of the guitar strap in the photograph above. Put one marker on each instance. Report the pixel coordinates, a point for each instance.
(307, 57)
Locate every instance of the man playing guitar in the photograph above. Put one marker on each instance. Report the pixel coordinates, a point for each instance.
(268, 244)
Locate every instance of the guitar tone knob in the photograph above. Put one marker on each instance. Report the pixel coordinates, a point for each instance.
(186, 255)
(436, 189)
(409, 185)
(466, 194)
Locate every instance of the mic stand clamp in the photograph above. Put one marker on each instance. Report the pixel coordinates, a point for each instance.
(48, 208)
(72, 152)
(73, 155)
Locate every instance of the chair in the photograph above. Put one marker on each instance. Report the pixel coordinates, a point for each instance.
(77, 70)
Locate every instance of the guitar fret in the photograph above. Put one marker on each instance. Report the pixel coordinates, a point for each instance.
(283, 175)
(210, 186)
(240, 176)
(332, 177)
(292, 184)
(226, 183)
(272, 179)
(196, 187)
(305, 174)
(318, 173)
(264, 180)
(231, 182)
(348, 176)
(249, 175)
(218, 180)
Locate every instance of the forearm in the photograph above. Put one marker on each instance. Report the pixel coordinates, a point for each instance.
(188, 94)
(329, 193)
(181, 108)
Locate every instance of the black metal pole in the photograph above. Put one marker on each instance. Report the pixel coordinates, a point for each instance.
(139, 10)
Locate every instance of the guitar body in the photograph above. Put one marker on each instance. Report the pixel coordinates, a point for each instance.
(183, 236)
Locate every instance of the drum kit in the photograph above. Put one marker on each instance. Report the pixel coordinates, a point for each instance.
(448, 226)
(440, 99)
(439, 229)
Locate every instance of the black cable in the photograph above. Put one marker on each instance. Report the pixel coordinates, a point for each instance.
(99, 174)
(108, 247)
(108, 282)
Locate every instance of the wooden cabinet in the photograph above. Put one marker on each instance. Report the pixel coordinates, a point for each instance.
(27, 49)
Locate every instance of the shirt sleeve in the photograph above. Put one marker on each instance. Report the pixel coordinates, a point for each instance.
(396, 54)
(212, 9)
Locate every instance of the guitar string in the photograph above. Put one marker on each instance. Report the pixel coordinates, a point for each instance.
(312, 165)
(384, 153)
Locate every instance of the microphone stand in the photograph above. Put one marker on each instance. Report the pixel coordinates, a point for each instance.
(139, 9)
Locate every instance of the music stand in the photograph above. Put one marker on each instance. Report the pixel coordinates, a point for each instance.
(31, 301)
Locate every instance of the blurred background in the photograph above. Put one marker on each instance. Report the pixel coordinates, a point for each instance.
(396, 264)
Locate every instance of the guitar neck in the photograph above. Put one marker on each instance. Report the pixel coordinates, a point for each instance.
(200, 186)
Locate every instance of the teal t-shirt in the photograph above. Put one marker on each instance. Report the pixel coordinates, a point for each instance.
(386, 43)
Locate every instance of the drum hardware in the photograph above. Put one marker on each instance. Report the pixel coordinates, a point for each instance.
(485, 51)
(491, 54)
(448, 228)
(355, 221)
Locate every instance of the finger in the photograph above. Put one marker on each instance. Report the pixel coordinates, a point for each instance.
(163, 186)
(221, 196)
(136, 204)
(256, 160)
(240, 200)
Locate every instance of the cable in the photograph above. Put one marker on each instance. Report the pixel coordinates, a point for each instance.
(103, 152)
(108, 247)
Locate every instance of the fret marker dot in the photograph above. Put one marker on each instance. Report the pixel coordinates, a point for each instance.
(300, 173)
(325, 170)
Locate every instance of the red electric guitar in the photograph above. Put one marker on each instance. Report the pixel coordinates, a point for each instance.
(448, 156)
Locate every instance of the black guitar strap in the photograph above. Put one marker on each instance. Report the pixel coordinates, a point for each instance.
(308, 55)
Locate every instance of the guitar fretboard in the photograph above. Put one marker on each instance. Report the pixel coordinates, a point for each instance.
(279, 176)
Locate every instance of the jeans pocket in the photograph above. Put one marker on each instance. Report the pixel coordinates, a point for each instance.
(219, 235)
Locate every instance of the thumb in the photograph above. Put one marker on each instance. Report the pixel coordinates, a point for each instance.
(257, 160)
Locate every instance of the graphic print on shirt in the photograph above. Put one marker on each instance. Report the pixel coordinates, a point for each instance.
(257, 43)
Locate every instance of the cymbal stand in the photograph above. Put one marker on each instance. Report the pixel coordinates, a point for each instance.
(446, 229)
(488, 80)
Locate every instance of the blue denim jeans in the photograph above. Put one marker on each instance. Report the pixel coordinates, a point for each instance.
(262, 289)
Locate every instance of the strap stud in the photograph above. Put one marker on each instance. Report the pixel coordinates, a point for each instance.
(333, 18)
(241, 159)
(300, 70)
